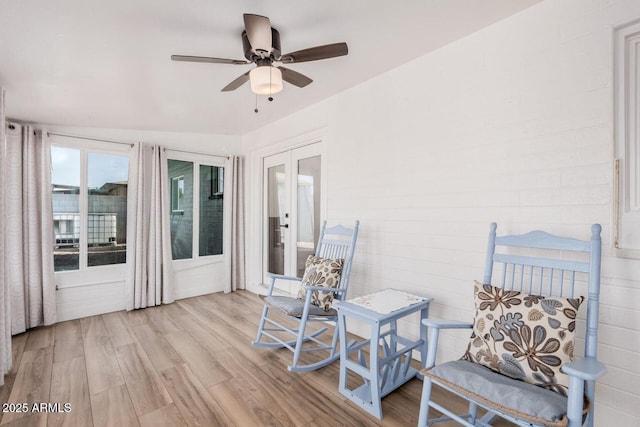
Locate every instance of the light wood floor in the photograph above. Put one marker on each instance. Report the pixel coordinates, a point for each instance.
(187, 363)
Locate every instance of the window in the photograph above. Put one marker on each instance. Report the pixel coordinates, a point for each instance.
(89, 208)
(627, 82)
(196, 187)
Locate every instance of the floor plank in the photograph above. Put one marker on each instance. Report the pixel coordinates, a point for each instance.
(145, 387)
(18, 343)
(69, 386)
(160, 352)
(168, 416)
(42, 336)
(203, 364)
(193, 401)
(113, 408)
(68, 341)
(33, 381)
(103, 371)
(118, 329)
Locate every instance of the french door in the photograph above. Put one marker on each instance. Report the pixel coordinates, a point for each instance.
(293, 194)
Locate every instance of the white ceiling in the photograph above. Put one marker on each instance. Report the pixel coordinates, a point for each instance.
(107, 63)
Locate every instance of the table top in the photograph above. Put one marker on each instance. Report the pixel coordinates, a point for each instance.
(384, 304)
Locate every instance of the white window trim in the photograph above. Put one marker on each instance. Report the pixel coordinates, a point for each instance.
(197, 159)
(627, 140)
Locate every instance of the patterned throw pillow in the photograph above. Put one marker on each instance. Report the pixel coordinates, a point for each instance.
(321, 272)
(527, 337)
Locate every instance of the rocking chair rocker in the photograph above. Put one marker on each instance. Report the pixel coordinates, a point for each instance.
(336, 242)
(525, 322)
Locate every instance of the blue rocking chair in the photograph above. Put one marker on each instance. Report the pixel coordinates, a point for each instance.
(528, 318)
(334, 242)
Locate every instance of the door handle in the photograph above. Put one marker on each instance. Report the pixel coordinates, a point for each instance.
(285, 225)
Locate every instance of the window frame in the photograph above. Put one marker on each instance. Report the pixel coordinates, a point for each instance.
(85, 275)
(627, 140)
(197, 160)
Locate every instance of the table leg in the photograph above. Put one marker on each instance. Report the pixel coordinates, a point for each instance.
(424, 314)
(344, 355)
(374, 370)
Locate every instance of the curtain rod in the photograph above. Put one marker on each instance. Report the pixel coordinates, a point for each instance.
(131, 144)
(196, 152)
(90, 138)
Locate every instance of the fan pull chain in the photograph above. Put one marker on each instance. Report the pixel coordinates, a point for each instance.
(256, 110)
(270, 84)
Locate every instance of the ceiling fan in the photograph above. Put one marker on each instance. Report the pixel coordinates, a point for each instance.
(261, 44)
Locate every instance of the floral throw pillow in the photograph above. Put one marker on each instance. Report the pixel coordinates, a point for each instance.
(321, 272)
(527, 337)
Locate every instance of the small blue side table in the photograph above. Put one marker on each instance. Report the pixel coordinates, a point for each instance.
(389, 364)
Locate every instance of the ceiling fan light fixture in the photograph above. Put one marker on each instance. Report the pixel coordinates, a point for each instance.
(266, 80)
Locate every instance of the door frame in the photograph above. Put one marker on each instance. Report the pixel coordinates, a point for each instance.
(255, 232)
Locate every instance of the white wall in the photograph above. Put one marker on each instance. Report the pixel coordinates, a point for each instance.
(101, 289)
(512, 124)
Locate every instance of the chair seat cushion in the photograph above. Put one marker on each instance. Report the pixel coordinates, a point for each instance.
(294, 306)
(504, 394)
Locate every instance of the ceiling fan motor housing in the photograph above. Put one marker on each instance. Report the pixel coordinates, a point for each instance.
(275, 45)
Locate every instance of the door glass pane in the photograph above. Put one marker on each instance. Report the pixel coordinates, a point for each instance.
(107, 184)
(181, 215)
(65, 180)
(276, 202)
(211, 201)
(308, 209)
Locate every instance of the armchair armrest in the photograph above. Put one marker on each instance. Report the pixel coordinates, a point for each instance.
(434, 326)
(283, 277)
(274, 277)
(322, 288)
(446, 324)
(587, 369)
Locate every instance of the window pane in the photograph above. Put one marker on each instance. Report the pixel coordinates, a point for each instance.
(211, 200)
(308, 209)
(276, 196)
(181, 189)
(65, 179)
(107, 181)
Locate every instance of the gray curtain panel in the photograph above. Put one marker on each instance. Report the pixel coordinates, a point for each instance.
(5, 316)
(29, 228)
(234, 237)
(149, 272)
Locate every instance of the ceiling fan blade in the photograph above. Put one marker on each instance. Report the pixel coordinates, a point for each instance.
(294, 77)
(258, 30)
(208, 59)
(237, 82)
(316, 53)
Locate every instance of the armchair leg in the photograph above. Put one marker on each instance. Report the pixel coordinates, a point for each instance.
(575, 401)
(424, 402)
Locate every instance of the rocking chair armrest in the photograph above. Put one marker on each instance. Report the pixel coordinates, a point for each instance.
(273, 277)
(323, 288)
(446, 324)
(587, 369)
(435, 325)
(283, 277)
